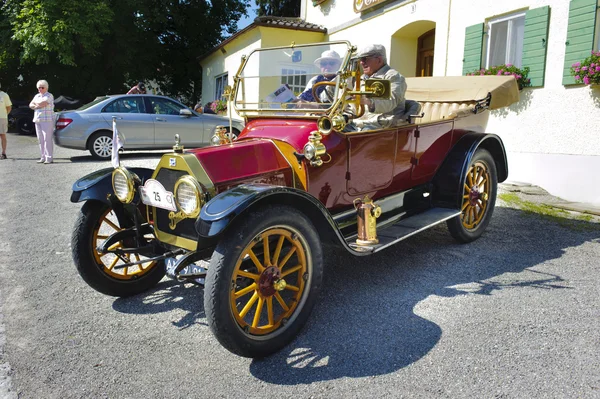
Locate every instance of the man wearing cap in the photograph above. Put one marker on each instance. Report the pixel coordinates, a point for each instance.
(381, 112)
(329, 62)
(140, 88)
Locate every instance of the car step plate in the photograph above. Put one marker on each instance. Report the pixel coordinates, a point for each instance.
(405, 228)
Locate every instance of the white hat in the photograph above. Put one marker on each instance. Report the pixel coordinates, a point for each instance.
(328, 55)
(371, 50)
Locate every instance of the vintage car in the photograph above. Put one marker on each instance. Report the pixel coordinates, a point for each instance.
(249, 218)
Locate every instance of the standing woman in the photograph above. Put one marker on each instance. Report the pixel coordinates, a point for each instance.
(43, 117)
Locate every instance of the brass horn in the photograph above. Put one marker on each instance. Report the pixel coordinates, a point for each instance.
(324, 124)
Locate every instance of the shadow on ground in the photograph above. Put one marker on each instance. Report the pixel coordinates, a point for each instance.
(365, 323)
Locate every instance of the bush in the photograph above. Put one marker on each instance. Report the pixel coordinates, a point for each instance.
(506, 70)
(588, 70)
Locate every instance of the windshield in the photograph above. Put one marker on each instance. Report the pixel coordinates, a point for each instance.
(280, 80)
(96, 101)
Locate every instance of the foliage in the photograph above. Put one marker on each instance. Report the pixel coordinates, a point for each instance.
(218, 106)
(90, 48)
(506, 70)
(588, 70)
(278, 8)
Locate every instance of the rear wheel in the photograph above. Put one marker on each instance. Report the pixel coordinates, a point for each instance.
(263, 281)
(100, 145)
(96, 222)
(25, 126)
(478, 198)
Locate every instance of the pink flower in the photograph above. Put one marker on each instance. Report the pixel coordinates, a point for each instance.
(519, 76)
(577, 64)
(509, 65)
(577, 77)
(577, 69)
(598, 68)
(584, 68)
(586, 80)
(507, 73)
(499, 72)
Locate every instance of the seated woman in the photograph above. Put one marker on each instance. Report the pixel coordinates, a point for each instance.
(329, 63)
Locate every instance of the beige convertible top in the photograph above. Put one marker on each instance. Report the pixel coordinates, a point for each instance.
(459, 89)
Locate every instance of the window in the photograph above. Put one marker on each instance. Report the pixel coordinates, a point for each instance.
(294, 78)
(220, 83)
(164, 106)
(127, 105)
(505, 40)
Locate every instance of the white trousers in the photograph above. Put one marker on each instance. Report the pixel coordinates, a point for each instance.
(44, 131)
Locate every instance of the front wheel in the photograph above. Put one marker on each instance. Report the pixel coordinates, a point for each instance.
(478, 198)
(96, 222)
(25, 126)
(263, 280)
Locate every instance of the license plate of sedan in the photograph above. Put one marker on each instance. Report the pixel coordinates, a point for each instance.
(154, 194)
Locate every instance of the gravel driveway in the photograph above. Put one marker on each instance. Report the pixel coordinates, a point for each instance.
(512, 315)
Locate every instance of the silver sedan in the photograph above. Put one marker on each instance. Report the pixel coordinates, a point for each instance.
(144, 121)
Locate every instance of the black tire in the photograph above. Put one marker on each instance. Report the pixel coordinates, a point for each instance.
(479, 198)
(25, 126)
(96, 221)
(100, 145)
(232, 271)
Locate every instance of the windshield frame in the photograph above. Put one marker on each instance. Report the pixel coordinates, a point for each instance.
(298, 110)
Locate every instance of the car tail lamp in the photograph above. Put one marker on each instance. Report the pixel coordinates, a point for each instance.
(62, 123)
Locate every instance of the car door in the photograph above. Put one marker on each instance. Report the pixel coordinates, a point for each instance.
(168, 122)
(133, 123)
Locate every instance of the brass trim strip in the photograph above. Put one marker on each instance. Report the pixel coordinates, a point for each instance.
(299, 174)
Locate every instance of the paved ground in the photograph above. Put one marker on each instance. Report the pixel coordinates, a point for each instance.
(512, 315)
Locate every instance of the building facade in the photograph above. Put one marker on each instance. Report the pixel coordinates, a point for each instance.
(551, 134)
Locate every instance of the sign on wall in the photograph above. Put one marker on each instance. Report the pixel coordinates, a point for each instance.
(362, 5)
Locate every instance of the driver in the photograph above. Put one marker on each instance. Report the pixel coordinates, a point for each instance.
(329, 63)
(381, 112)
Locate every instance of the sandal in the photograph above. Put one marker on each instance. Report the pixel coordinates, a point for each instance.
(3, 156)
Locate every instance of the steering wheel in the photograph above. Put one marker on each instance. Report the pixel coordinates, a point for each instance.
(319, 84)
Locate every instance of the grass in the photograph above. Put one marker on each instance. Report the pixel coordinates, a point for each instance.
(561, 216)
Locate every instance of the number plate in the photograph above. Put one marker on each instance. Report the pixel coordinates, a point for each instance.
(154, 194)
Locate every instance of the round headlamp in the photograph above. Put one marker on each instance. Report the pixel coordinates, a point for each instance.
(122, 182)
(189, 196)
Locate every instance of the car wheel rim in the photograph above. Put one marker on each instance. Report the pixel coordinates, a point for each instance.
(269, 282)
(108, 225)
(476, 193)
(103, 146)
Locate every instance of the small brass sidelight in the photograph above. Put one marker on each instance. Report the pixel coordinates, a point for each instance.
(367, 216)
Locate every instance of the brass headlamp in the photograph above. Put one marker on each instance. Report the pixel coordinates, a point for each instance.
(314, 149)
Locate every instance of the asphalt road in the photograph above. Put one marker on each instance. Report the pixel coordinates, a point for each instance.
(512, 315)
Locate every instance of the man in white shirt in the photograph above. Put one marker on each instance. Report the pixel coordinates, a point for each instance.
(5, 107)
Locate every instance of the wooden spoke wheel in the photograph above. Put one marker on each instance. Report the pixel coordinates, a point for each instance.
(262, 281)
(94, 225)
(478, 198)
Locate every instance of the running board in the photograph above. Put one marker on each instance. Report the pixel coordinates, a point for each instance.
(405, 228)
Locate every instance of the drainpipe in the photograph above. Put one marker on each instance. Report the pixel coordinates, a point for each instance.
(448, 37)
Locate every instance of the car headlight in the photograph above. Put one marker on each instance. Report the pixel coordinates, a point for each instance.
(309, 151)
(189, 196)
(122, 182)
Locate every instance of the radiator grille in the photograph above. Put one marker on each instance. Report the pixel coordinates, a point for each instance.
(185, 228)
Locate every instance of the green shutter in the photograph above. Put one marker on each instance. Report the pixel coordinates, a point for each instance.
(580, 35)
(473, 48)
(535, 42)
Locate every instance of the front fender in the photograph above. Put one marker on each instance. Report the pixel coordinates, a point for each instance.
(98, 185)
(449, 180)
(223, 210)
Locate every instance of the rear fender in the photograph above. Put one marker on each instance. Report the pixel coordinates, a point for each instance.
(225, 209)
(449, 180)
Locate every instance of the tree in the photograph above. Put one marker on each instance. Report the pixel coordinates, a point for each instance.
(90, 48)
(278, 8)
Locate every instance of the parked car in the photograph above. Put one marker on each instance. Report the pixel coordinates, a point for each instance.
(252, 218)
(21, 117)
(144, 121)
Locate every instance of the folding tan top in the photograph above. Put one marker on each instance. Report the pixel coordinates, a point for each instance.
(504, 89)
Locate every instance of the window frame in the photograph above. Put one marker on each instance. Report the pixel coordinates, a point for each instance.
(304, 72)
(223, 79)
(138, 99)
(489, 27)
(596, 45)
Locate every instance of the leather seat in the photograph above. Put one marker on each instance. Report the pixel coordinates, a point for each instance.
(435, 111)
